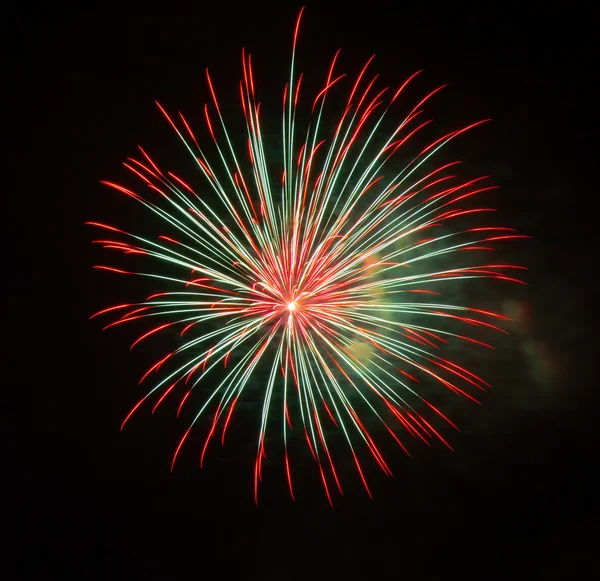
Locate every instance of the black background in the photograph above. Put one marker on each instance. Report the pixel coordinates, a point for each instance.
(516, 499)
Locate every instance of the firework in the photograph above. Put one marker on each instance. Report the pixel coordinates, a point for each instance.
(322, 283)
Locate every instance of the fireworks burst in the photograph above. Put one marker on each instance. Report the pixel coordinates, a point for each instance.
(324, 287)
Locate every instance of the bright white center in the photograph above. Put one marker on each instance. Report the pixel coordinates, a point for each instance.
(292, 306)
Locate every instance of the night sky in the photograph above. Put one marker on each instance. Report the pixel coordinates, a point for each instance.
(515, 500)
